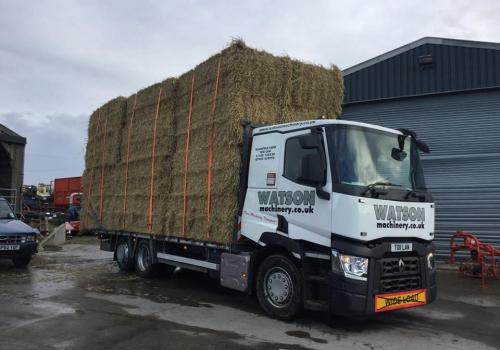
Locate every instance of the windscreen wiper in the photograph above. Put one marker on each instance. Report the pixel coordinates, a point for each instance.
(372, 187)
(414, 194)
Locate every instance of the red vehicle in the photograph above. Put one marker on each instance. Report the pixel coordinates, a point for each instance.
(67, 191)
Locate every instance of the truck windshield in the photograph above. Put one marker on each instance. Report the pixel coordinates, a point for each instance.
(6, 211)
(365, 157)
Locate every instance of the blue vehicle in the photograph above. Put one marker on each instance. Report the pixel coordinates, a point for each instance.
(17, 240)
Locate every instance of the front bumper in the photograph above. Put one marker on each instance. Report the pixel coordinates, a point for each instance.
(25, 249)
(356, 298)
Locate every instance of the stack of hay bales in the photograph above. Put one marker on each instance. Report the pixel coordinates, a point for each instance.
(203, 107)
(103, 166)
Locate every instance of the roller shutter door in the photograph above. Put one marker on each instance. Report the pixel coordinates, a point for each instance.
(463, 170)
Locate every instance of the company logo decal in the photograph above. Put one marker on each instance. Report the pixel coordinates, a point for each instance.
(287, 201)
(399, 216)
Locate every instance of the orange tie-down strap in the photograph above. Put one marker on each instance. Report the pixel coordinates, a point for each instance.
(102, 168)
(211, 145)
(153, 160)
(186, 156)
(125, 189)
(94, 162)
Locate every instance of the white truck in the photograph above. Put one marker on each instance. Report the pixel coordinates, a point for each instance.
(334, 216)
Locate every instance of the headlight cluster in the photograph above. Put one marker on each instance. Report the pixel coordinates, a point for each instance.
(354, 267)
(431, 264)
(28, 238)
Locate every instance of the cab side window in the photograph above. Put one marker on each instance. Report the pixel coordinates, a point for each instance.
(295, 156)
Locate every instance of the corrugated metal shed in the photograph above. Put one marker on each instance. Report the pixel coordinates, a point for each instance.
(11, 165)
(426, 66)
(458, 117)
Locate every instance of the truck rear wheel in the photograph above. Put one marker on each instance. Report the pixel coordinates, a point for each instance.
(21, 261)
(278, 287)
(144, 266)
(123, 258)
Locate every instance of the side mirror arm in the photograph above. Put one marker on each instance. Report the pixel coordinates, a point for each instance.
(322, 193)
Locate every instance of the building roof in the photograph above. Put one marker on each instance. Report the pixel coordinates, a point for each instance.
(424, 67)
(7, 135)
(420, 42)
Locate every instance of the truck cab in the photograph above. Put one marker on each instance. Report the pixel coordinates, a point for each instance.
(347, 204)
(17, 240)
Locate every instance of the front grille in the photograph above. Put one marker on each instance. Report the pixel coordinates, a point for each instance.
(400, 274)
(10, 239)
(390, 285)
(403, 266)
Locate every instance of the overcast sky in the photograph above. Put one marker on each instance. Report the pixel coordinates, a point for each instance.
(60, 60)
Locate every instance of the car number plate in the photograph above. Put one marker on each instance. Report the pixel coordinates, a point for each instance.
(9, 247)
(401, 247)
(401, 300)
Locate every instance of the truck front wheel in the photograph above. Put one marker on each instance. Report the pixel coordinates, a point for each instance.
(278, 287)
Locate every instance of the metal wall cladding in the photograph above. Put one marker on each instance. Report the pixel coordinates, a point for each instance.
(453, 68)
(463, 170)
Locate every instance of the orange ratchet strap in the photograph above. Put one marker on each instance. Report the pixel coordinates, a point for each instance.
(94, 160)
(211, 145)
(186, 157)
(125, 190)
(153, 159)
(102, 168)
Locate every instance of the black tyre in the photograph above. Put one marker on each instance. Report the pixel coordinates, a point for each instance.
(144, 266)
(278, 287)
(21, 261)
(123, 256)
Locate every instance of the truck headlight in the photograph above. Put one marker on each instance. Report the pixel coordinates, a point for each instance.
(431, 264)
(354, 267)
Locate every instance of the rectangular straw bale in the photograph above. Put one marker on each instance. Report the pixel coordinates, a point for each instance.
(103, 154)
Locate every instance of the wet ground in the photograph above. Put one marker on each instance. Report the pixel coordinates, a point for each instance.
(75, 298)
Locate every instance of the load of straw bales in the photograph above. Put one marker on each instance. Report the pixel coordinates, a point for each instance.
(166, 160)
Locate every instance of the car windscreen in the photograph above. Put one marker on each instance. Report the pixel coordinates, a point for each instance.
(6, 211)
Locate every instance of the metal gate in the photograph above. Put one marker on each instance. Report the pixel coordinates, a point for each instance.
(463, 170)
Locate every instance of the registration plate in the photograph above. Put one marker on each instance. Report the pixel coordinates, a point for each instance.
(9, 247)
(401, 300)
(401, 247)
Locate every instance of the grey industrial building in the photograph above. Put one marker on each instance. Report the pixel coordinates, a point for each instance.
(448, 92)
(11, 166)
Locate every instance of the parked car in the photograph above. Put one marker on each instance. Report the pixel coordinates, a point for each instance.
(17, 240)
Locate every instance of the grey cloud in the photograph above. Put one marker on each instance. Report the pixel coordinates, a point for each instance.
(55, 144)
(60, 60)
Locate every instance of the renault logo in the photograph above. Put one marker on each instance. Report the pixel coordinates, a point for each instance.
(401, 265)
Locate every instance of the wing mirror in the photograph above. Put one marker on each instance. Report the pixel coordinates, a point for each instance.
(310, 141)
(421, 145)
(398, 154)
(313, 173)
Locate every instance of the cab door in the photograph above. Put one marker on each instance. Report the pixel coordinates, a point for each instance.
(289, 187)
(307, 186)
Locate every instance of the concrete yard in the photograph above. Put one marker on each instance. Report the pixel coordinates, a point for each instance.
(75, 298)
